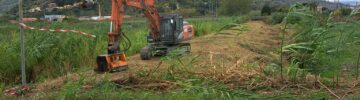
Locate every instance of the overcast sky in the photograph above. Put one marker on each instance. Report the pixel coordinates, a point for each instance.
(347, 0)
(350, 2)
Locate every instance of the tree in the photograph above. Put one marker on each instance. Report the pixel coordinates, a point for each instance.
(313, 5)
(266, 10)
(235, 7)
(201, 7)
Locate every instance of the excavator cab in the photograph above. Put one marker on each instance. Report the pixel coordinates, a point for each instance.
(173, 33)
(171, 27)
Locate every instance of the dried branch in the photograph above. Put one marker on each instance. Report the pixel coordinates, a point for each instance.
(324, 86)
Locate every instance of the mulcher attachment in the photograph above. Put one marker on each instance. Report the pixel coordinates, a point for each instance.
(111, 63)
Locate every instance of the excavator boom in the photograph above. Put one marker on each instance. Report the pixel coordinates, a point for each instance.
(147, 6)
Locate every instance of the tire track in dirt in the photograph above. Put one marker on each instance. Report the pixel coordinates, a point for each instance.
(251, 42)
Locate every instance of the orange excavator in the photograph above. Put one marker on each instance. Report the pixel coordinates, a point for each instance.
(167, 33)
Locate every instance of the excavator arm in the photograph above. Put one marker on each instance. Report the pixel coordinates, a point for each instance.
(147, 6)
(116, 59)
(150, 12)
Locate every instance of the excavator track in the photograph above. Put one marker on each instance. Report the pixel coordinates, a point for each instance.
(153, 50)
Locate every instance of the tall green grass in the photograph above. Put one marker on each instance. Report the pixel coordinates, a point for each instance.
(53, 54)
(321, 45)
(211, 25)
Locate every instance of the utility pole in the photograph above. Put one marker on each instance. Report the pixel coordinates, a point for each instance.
(216, 8)
(44, 11)
(22, 45)
(211, 8)
(99, 6)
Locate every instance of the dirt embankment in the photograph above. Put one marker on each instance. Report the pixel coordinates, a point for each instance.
(228, 56)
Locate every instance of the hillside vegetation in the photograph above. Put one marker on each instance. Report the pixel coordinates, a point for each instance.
(187, 8)
(276, 52)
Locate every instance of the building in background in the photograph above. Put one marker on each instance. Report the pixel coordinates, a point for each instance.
(54, 18)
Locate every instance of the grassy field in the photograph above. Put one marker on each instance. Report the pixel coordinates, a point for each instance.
(318, 59)
(49, 55)
(177, 80)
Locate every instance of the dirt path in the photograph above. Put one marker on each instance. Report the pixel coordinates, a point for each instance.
(252, 42)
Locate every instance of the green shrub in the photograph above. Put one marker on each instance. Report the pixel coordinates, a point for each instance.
(187, 12)
(235, 7)
(271, 69)
(346, 11)
(277, 18)
(266, 10)
(204, 27)
(341, 12)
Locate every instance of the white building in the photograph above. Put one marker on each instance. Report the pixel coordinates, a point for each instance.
(57, 18)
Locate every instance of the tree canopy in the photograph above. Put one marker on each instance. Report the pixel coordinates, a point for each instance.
(235, 7)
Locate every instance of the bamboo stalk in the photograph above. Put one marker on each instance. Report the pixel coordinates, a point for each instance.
(281, 52)
(357, 67)
(99, 9)
(328, 89)
(337, 55)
